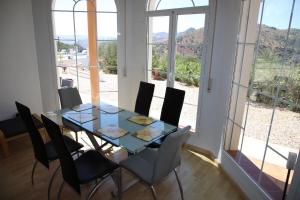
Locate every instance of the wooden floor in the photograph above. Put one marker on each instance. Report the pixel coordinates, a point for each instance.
(200, 177)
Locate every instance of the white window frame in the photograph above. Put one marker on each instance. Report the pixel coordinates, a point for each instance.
(209, 23)
(98, 41)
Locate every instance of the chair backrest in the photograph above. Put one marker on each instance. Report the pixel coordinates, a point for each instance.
(144, 98)
(69, 97)
(172, 106)
(36, 139)
(68, 168)
(169, 153)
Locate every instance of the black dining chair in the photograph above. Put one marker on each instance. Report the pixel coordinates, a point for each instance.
(144, 98)
(43, 152)
(89, 166)
(171, 110)
(172, 106)
(69, 98)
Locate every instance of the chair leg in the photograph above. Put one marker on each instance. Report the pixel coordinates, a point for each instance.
(4, 145)
(153, 192)
(60, 190)
(76, 136)
(32, 172)
(51, 181)
(117, 179)
(95, 188)
(120, 184)
(179, 184)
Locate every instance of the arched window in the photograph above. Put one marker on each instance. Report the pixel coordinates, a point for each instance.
(172, 4)
(73, 34)
(176, 47)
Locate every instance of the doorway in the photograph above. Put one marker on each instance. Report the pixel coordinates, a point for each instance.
(176, 46)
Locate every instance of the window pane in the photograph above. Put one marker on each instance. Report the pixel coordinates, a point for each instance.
(158, 35)
(106, 5)
(158, 30)
(107, 52)
(189, 47)
(63, 5)
(84, 84)
(156, 106)
(277, 14)
(107, 26)
(65, 53)
(171, 4)
(157, 72)
(289, 91)
(63, 28)
(81, 6)
(81, 26)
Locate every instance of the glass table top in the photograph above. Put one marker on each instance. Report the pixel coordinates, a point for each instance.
(105, 115)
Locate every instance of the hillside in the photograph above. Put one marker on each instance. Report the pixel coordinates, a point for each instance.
(272, 42)
(189, 43)
(271, 45)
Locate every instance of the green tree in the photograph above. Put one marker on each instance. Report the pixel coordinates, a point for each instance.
(61, 45)
(108, 57)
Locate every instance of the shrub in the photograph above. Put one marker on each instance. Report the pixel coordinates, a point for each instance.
(287, 85)
(110, 69)
(187, 70)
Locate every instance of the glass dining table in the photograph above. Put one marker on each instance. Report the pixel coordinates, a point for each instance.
(95, 118)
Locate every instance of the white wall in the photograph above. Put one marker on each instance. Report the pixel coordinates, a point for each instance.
(19, 77)
(42, 19)
(132, 65)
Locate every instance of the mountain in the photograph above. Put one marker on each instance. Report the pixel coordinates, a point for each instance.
(160, 37)
(271, 44)
(189, 43)
(191, 35)
(82, 40)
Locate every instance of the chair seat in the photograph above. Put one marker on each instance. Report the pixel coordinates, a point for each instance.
(92, 165)
(142, 164)
(71, 144)
(15, 126)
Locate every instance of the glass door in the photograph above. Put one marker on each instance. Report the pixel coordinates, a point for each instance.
(188, 62)
(175, 50)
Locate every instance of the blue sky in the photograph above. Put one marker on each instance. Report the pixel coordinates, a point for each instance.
(276, 14)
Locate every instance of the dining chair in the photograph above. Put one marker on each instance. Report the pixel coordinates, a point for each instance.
(69, 98)
(171, 110)
(43, 152)
(172, 106)
(144, 98)
(89, 166)
(152, 165)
